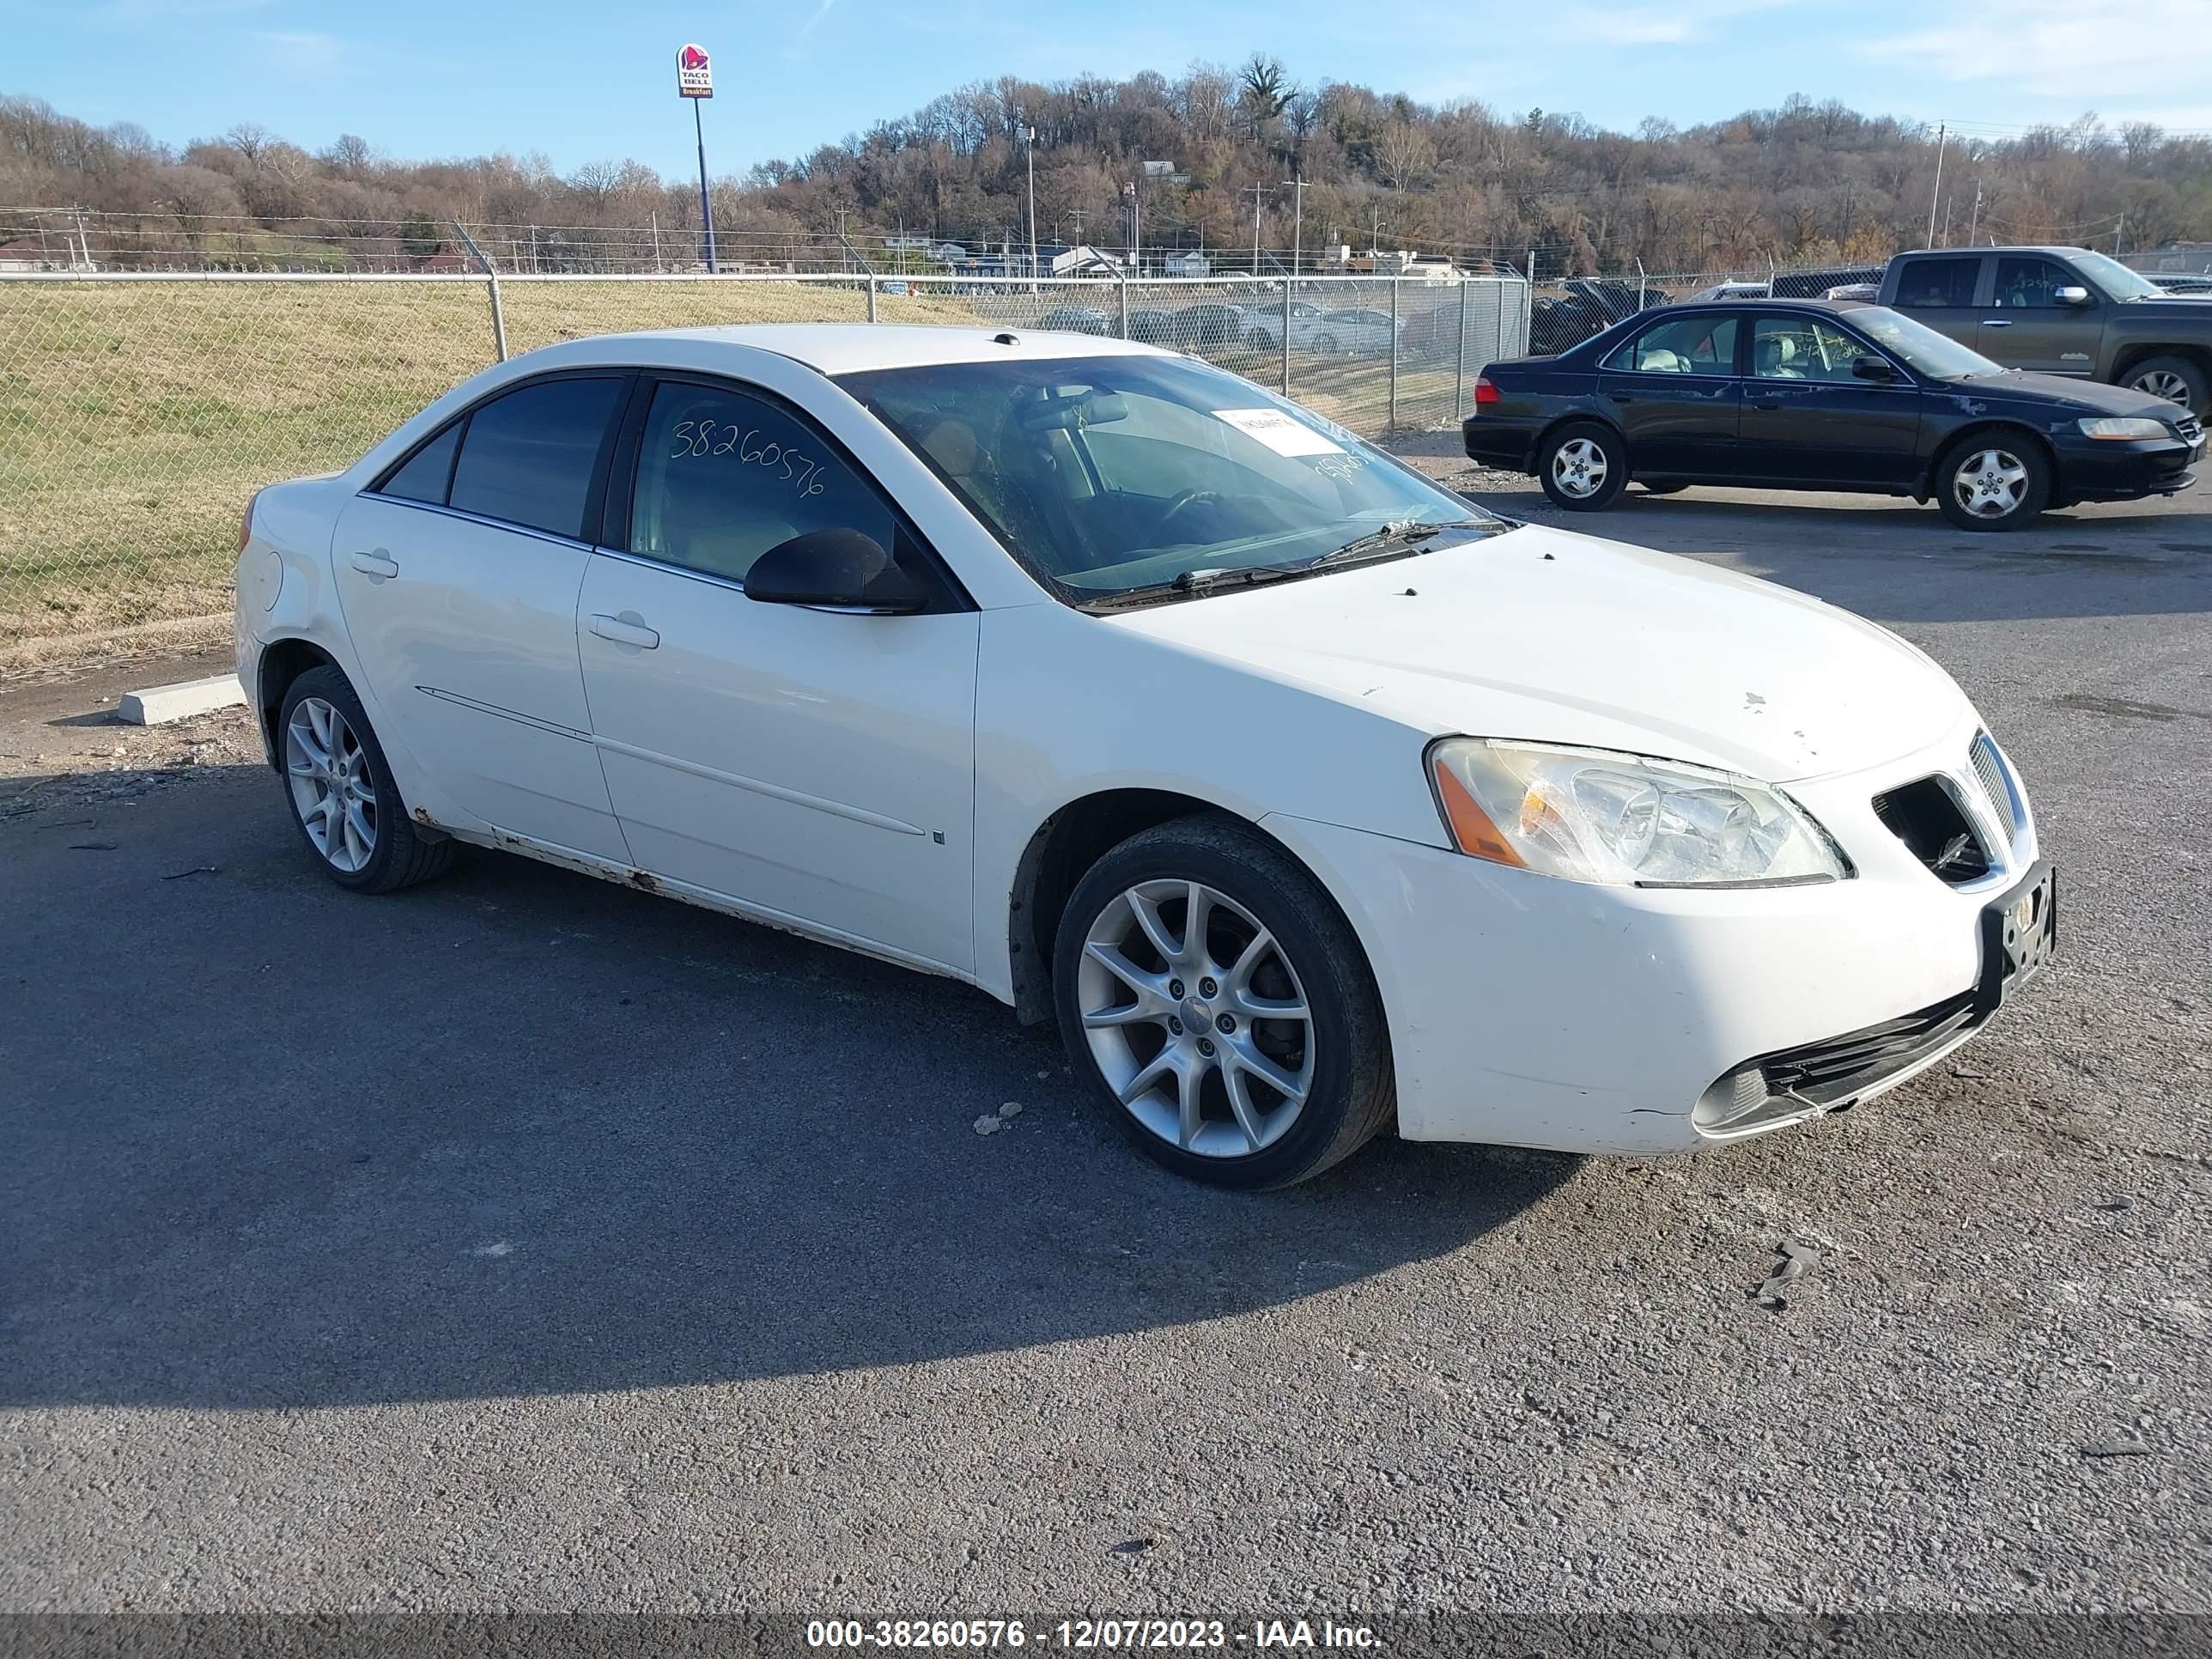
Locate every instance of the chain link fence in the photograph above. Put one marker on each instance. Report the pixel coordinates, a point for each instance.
(1564, 311)
(138, 414)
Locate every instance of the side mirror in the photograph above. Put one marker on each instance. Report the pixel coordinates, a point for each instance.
(1877, 369)
(840, 570)
(2070, 295)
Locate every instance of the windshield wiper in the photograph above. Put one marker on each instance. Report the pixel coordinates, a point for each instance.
(1390, 539)
(1407, 532)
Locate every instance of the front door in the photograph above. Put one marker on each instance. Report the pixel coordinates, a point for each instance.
(1807, 418)
(458, 576)
(1940, 293)
(2025, 325)
(1675, 390)
(811, 764)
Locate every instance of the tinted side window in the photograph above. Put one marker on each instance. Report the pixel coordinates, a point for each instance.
(2030, 283)
(428, 470)
(527, 456)
(1935, 283)
(1685, 345)
(722, 478)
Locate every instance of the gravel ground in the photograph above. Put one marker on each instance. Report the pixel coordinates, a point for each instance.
(523, 1242)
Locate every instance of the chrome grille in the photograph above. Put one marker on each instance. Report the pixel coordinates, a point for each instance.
(2189, 429)
(1998, 788)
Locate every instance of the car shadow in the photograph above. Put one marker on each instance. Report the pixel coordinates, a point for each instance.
(271, 1145)
(1898, 563)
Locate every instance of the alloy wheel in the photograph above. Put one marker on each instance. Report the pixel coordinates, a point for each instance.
(1578, 468)
(1991, 483)
(1196, 1018)
(2164, 383)
(331, 789)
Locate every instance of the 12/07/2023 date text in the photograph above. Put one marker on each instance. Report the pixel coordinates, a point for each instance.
(1087, 1635)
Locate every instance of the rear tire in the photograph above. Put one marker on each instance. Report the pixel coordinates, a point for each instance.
(1992, 481)
(2176, 379)
(339, 787)
(1584, 467)
(1173, 1031)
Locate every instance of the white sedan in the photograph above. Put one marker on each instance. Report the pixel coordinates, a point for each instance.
(1307, 798)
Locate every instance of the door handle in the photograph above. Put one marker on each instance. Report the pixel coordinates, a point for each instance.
(376, 566)
(1997, 322)
(1624, 397)
(1771, 405)
(625, 630)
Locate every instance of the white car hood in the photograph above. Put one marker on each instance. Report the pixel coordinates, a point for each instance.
(1546, 635)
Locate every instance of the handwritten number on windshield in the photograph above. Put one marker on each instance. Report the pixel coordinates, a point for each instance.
(787, 465)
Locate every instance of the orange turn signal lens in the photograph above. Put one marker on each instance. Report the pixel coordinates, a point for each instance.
(1471, 827)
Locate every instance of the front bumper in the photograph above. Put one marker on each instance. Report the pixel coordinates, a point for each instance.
(1528, 1010)
(2091, 470)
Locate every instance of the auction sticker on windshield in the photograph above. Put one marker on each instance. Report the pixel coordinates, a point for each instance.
(1279, 432)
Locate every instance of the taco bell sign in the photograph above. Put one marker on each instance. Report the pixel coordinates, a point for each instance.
(695, 75)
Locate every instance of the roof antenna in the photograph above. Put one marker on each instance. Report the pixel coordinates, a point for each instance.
(1006, 339)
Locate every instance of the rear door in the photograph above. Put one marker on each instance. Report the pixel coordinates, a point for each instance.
(2025, 325)
(1807, 418)
(1674, 389)
(813, 764)
(1944, 294)
(457, 574)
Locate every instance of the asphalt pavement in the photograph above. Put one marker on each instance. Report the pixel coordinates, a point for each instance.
(524, 1242)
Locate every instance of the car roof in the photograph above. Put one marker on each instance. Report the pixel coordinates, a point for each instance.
(2010, 248)
(848, 348)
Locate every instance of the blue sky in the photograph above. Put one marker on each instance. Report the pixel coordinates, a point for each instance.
(583, 79)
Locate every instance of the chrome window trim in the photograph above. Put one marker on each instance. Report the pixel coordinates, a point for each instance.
(467, 517)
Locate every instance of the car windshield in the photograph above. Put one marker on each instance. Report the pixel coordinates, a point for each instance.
(2115, 278)
(1128, 476)
(1936, 355)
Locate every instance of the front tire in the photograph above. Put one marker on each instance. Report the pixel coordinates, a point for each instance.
(339, 787)
(1249, 1051)
(1584, 468)
(2176, 379)
(1992, 481)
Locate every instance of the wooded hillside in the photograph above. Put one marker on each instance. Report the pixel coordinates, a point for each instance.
(1806, 183)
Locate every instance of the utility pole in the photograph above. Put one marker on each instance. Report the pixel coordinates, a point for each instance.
(1942, 133)
(1136, 226)
(2120, 236)
(1297, 224)
(1029, 156)
(1258, 190)
(656, 243)
(1974, 225)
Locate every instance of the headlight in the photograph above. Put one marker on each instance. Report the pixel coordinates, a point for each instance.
(1622, 820)
(2122, 427)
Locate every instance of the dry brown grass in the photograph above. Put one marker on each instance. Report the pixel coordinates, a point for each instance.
(138, 418)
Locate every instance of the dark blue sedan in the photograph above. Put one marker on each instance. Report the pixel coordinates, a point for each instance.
(1821, 395)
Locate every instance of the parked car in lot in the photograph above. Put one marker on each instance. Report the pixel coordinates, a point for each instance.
(1076, 319)
(2062, 311)
(1804, 394)
(1211, 326)
(1307, 798)
(1583, 309)
(1353, 332)
(1150, 327)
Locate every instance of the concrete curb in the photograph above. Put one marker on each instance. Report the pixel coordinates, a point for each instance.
(158, 705)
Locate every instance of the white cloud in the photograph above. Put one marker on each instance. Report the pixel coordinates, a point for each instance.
(820, 12)
(2072, 48)
(301, 51)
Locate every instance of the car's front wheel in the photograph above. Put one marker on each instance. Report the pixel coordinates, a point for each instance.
(2176, 379)
(340, 789)
(1584, 468)
(1992, 482)
(1221, 1007)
